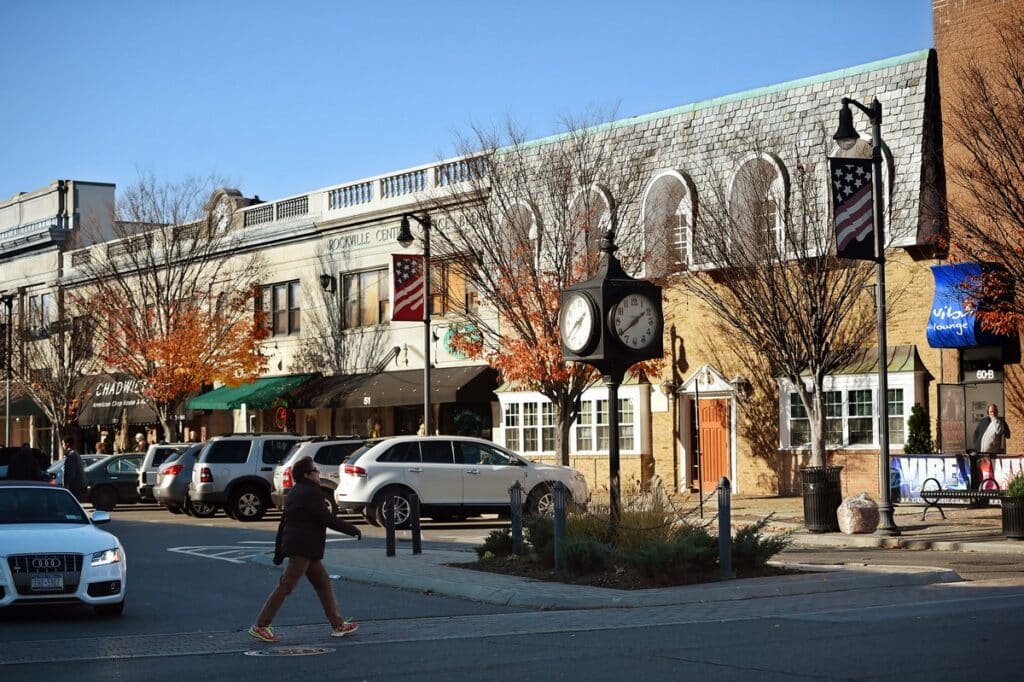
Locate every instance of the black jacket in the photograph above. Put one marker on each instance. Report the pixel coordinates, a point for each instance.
(74, 474)
(303, 528)
(24, 467)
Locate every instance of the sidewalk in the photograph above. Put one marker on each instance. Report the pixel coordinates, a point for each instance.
(963, 529)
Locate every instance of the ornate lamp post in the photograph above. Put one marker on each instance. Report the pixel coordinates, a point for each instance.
(405, 239)
(846, 137)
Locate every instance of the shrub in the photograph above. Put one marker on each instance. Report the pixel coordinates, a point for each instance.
(668, 563)
(498, 543)
(919, 432)
(540, 534)
(1015, 488)
(584, 555)
(751, 549)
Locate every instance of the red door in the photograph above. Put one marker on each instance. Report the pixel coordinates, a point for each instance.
(714, 442)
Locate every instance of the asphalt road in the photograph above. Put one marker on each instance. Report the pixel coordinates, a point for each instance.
(188, 609)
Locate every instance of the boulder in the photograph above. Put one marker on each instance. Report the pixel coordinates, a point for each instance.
(858, 515)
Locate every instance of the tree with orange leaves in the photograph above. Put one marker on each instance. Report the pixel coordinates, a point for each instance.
(171, 302)
(522, 222)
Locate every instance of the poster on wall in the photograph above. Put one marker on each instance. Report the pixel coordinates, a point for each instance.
(907, 473)
(999, 469)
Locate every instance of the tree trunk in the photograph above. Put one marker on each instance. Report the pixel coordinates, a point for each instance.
(563, 434)
(818, 433)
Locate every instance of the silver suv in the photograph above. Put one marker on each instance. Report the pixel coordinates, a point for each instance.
(237, 472)
(454, 477)
(328, 452)
(155, 457)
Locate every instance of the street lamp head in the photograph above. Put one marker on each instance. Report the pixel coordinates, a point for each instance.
(404, 233)
(846, 136)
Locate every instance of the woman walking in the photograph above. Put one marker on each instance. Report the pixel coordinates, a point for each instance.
(301, 536)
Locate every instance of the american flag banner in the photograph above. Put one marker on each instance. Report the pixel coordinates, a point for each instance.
(409, 287)
(853, 207)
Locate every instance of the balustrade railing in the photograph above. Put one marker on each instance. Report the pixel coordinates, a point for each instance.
(350, 195)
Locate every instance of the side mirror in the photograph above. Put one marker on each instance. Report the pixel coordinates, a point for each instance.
(99, 517)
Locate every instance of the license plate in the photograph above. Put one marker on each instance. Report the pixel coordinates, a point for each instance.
(42, 583)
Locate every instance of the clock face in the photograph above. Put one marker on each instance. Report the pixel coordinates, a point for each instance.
(635, 321)
(578, 322)
(222, 214)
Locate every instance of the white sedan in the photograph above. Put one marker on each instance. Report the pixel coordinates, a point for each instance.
(51, 551)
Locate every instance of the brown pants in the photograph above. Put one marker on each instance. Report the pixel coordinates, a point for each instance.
(314, 570)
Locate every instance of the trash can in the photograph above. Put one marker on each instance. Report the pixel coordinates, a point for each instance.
(822, 494)
(1013, 517)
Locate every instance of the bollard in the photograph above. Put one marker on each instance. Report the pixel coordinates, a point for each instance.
(516, 508)
(725, 528)
(559, 523)
(389, 524)
(414, 522)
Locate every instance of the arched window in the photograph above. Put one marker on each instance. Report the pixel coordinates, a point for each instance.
(757, 203)
(668, 217)
(589, 219)
(521, 238)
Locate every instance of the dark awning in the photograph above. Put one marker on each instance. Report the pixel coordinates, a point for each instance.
(109, 399)
(21, 406)
(258, 394)
(473, 384)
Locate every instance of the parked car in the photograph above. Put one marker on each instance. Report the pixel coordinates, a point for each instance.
(156, 455)
(56, 470)
(171, 489)
(452, 475)
(237, 472)
(113, 480)
(328, 452)
(52, 551)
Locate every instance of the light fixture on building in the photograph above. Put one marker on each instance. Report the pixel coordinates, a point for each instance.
(327, 282)
(669, 388)
(741, 387)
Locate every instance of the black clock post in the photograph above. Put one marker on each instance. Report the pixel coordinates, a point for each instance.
(612, 321)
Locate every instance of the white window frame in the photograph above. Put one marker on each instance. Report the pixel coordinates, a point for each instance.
(779, 192)
(513, 422)
(907, 382)
(684, 209)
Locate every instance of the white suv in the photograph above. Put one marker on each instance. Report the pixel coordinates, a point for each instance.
(237, 472)
(454, 477)
(328, 453)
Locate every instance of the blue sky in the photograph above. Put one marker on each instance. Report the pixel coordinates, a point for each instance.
(283, 98)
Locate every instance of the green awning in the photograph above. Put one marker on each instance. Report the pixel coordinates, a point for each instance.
(257, 395)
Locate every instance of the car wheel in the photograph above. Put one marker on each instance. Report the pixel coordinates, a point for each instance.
(402, 507)
(332, 506)
(248, 504)
(200, 510)
(110, 610)
(104, 499)
(370, 516)
(541, 501)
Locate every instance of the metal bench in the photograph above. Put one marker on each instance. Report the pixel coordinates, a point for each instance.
(932, 492)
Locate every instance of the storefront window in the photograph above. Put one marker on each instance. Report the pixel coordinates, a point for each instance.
(861, 432)
(849, 423)
(530, 434)
(512, 426)
(548, 431)
(584, 427)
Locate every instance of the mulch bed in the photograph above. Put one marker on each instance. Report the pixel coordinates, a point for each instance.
(617, 578)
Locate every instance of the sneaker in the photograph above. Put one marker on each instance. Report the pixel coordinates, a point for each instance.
(264, 634)
(346, 628)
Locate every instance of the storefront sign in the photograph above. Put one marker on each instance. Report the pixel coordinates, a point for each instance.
(951, 325)
(908, 472)
(356, 240)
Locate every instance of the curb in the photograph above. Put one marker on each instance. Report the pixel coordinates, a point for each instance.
(426, 574)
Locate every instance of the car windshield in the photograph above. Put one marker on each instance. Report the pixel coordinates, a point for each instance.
(39, 505)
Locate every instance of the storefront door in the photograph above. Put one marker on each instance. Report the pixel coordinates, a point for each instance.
(714, 442)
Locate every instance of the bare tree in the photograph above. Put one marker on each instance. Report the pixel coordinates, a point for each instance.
(523, 220)
(52, 361)
(172, 296)
(985, 169)
(765, 268)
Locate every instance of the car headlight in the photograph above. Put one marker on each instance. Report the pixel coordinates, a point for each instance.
(106, 557)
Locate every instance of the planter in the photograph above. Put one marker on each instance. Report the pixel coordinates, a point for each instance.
(822, 495)
(1013, 518)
